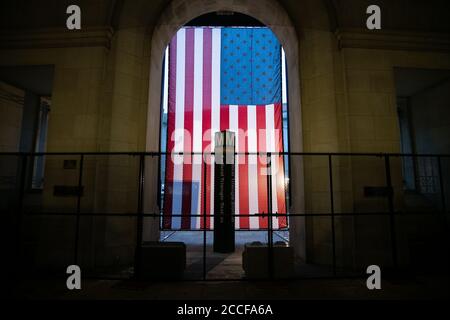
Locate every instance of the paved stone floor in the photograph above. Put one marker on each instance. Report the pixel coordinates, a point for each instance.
(241, 237)
(313, 285)
(218, 266)
(434, 287)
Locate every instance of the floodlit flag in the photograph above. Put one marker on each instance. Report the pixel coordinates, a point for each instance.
(224, 79)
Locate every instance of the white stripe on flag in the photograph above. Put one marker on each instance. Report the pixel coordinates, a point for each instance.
(234, 127)
(215, 101)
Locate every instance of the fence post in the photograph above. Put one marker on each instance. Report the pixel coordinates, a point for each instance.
(333, 228)
(204, 217)
(441, 185)
(387, 165)
(269, 216)
(20, 206)
(140, 218)
(77, 224)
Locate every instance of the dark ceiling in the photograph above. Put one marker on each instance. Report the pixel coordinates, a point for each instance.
(408, 15)
(29, 14)
(409, 81)
(411, 15)
(37, 79)
(225, 19)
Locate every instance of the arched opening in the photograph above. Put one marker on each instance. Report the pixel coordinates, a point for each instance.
(269, 14)
(224, 71)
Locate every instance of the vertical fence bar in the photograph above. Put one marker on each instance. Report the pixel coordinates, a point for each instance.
(333, 228)
(444, 207)
(140, 218)
(158, 187)
(204, 217)
(441, 185)
(79, 193)
(20, 206)
(271, 255)
(269, 216)
(387, 165)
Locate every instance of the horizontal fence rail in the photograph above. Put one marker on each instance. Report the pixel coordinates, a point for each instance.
(155, 154)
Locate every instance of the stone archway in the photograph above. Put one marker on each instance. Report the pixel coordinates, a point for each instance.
(269, 12)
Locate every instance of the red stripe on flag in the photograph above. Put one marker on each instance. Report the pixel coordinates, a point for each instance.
(243, 167)
(188, 130)
(262, 176)
(280, 181)
(206, 121)
(224, 117)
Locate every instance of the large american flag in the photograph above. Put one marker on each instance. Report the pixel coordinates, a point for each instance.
(223, 79)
